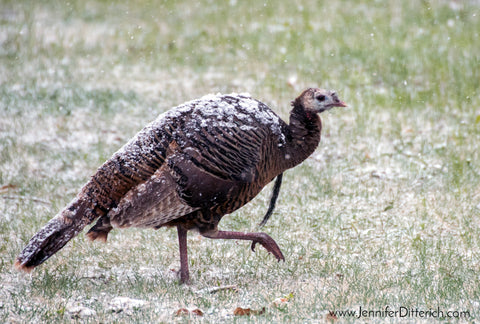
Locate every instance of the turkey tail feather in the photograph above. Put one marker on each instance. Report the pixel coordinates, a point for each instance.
(51, 238)
(55, 234)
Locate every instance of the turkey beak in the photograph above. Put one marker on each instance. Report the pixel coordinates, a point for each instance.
(337, 102)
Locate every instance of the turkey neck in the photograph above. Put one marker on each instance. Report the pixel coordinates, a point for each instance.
(303, 135)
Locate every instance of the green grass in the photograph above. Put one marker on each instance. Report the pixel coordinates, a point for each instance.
(385, 213)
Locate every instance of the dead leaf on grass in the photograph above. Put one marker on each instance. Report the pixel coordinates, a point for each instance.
(7, 187)
(182, 312)
(197, 312)
(239, 311)
(331, 317)
(186, 312)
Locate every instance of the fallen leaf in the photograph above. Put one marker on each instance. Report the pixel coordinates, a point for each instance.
(197, 312)
(186, 312)
(7, 187)
(239, 311)
(331, 317)
(182, 312)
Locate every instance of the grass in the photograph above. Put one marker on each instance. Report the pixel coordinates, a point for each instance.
(385, 213)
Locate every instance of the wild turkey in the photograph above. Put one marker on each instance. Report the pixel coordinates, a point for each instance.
(188, 168)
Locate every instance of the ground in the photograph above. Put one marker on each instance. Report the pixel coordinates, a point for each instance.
(383, 216)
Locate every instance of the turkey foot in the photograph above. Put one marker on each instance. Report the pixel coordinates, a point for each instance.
(264, 239)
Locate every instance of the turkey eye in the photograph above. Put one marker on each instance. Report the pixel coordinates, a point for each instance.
(321, 98)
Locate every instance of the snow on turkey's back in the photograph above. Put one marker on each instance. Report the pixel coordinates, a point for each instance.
(217, 105)
(210, 105)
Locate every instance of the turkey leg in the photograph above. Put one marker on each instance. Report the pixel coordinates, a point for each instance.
(182, 243)
(265, 240)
